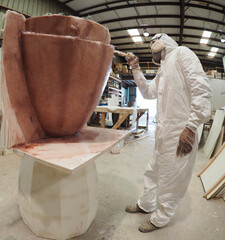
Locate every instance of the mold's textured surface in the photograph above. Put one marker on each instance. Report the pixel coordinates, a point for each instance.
(54, 71)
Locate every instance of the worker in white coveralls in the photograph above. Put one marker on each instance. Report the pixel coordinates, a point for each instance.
(183, 94)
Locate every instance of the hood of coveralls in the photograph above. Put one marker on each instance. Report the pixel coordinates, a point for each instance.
(168, 42)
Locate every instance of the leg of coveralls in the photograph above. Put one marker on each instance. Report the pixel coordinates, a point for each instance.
(147, 201)
(174, 178)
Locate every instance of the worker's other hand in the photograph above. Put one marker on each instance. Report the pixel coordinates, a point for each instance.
(186, 141)
(132, 60)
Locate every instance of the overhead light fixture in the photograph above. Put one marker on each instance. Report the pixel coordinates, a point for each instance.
(222, 39)
(204, 41)
(133, 32)
(146, 34)
(137, 39)
(214, 49)
(206, 34)
(211, 54)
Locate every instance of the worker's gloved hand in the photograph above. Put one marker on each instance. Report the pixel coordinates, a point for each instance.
(132, 60)
(186, 141)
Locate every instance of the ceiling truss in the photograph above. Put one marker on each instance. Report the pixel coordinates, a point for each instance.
(209, 6)
(182, 37)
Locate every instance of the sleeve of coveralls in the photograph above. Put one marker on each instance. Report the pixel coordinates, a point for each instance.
(198, 84)
(148, 90)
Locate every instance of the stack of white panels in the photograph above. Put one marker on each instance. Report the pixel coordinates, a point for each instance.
(213, 176)
(200, 130)
(214, 133)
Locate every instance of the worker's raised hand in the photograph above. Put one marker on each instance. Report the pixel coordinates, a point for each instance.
(186, 141)
(132, 60)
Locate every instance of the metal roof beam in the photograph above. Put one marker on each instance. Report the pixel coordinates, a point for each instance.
(210, 3)
(139, 55)
(107, 8)
(161, 16)
(68, 1)
(211, 62)
(167, 26)
(218, 60)
(126, 6)
(171, 35)
(198, 54)
(184, 42)
(63, 5)
(146, 48)
(101, 5)
(181, 22)
(207, 45)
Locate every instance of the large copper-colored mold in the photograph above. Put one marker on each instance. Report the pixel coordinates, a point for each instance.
(53, 74)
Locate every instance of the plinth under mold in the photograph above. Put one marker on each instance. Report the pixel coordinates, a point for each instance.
(55, 204)
(58, 188)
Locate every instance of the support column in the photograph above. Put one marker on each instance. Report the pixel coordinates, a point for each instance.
(224, 63)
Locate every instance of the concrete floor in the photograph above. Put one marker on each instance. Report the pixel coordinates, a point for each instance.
(120, 183)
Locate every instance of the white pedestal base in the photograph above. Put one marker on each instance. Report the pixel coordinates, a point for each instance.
(55, 204)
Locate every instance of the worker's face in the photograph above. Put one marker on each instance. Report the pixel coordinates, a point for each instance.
(157, 57)
(157, 46)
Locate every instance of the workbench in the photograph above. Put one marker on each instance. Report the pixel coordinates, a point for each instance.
(124, 113)
(58, 184)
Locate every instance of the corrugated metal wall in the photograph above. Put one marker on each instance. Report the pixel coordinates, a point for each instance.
(31, 8)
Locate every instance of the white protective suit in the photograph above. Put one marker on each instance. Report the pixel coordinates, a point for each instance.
(183, 94)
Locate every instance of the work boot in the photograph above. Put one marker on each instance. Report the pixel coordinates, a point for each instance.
(134, 208)
(147, 227)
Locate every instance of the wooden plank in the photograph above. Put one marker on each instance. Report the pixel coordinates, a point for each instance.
(119, 109)
(113, 109)
(122, 110)
(142, 127)
(140, 115)
(103, 120)
(219, 192)
(120, 121)
(214, 174)
(221, 181)
(69, 154)
(212, 160)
